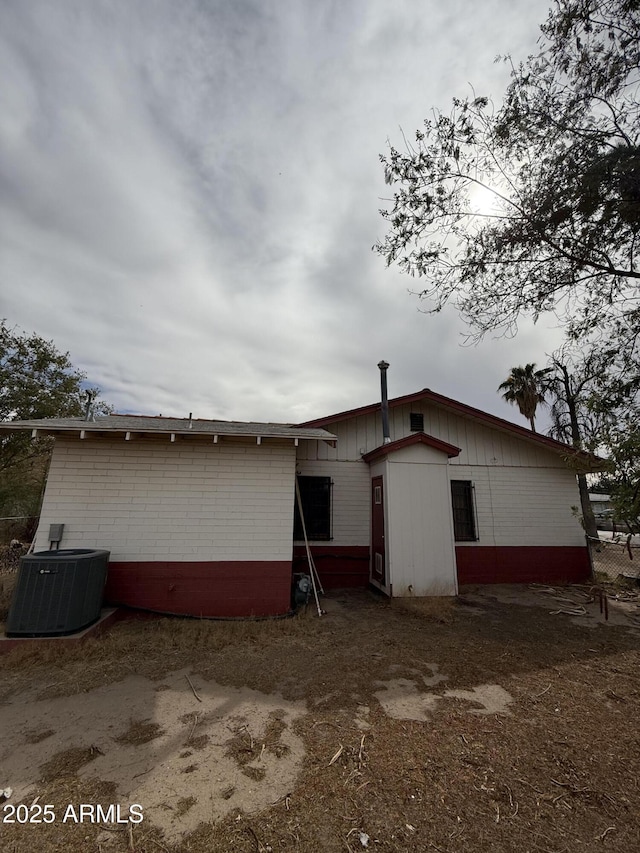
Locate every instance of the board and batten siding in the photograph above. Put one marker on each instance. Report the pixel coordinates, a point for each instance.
(524, 494)
(481, 444)
(524, 498)
(154, 500)
(523, 506)
(419, 524)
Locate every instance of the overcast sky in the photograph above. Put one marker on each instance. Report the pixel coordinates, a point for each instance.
(189, 193)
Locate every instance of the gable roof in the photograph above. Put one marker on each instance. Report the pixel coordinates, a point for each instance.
(142, 425)
(588, 461)
(409, 441)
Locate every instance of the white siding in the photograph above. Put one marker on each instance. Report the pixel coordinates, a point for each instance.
(157, 500)
(350, 496)
(523, 506)
(524, 493)
(480, 444)
(420, 553)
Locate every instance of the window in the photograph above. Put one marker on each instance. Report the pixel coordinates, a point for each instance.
(464, 525)
(416, 422)
(315, 494)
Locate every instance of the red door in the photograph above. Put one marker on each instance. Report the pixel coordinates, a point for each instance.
(378, 570)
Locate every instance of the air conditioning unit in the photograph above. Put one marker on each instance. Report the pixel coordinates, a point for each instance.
(57, 592)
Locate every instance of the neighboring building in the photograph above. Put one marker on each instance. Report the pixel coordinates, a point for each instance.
(199, 515)
(601, 505)
(604, 514)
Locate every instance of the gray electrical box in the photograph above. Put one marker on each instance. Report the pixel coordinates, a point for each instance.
(55, 532)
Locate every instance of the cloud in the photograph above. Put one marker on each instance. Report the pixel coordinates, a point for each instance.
(189, 194)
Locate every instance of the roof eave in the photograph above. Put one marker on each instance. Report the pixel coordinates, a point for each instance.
(591, 462)
(408, 441)
(81, 427)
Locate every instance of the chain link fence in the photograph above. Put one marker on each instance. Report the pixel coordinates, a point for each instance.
(616, 558)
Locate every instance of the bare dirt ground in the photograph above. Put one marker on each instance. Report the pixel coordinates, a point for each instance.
(506, 720)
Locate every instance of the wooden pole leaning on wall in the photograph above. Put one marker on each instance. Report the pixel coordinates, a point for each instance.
(315, 578)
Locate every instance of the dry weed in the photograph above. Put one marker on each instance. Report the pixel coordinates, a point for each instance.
(147, 646)
(440, 609)
(139, 732)
(35, 736)
(559, 774)
(7, 584)
(68, 762)
(184, 804)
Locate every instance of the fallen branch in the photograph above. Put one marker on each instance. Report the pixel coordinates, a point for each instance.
(336, 756)
(193, 688)
(604, 834)
(360, 753)
(578, 611)
(193, 728)
(584, 790)
(259, 846)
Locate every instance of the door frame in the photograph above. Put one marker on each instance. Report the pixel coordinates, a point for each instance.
(378, 568)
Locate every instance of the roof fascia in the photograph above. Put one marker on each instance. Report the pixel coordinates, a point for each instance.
(40, 427)
(409, 440)
(591, 461)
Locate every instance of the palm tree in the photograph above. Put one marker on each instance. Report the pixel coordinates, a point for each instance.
(525, 388)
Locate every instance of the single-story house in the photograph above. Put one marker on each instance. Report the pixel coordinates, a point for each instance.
(200, 516)
(452, 495)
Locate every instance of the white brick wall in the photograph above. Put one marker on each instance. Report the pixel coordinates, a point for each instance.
(157, 500)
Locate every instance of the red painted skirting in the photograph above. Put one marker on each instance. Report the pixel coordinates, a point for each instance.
(205, 589)
(339, 566)
(522, 564)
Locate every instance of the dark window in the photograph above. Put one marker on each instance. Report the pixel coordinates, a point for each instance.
(315, 494)
(464, 525)
(416, 422)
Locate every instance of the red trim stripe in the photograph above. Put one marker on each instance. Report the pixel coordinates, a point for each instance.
(522, 564)
(203, 589)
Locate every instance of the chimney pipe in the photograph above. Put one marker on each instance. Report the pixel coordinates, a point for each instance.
(89, 413)
(383, 365)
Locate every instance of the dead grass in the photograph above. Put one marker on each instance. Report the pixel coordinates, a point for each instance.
(37, 736)
(184, 804)
(440, 609)
(67, 763)
(559, 774)
(139, 732)
(7, 584)
(144, 646)
(9, 563)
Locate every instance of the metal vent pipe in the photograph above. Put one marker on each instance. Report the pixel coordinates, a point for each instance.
(383, 365)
